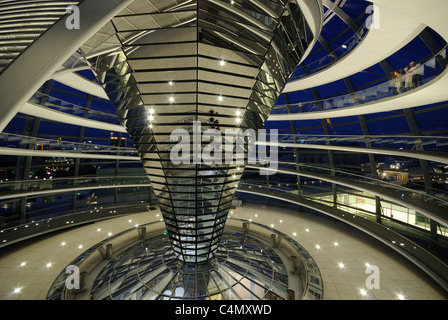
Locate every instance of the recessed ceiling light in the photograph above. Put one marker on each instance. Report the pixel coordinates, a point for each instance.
(49, 265)
(222, 62)
(363, 292)
(23, 264)
(400, 296)
(341, 265)
(170, 83)
(317, 246)
(336, 244)
(307, 230)
(17, 290)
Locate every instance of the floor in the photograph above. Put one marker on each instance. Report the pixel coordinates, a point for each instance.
(28, 269)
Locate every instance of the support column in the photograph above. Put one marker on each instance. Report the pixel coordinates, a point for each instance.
(424, 164)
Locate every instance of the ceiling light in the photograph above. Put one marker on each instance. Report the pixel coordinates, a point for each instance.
(341, 265)
(80, 246)
(171, 99)
(400, 296)
(170, 83)
(363, 292)
(17, 290)
(307, 230)
(220, 98)
(222, 62)
(49, 265)
(294, 234)
(23, 264)
(317, 246)
(336, 244)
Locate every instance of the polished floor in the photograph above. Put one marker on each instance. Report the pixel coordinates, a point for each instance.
(28, 269)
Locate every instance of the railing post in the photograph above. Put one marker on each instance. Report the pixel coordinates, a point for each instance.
(141, 232)
(246, 227)
(290, 294)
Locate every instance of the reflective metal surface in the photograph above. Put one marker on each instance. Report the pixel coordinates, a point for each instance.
(182, 65)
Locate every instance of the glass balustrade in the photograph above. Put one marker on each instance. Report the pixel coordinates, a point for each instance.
(400, 142)
(428, 71)
(10, 189)
(333, 57)
(354, 202)
(73, 109)
(55, 144)
(46, 223)
(418, 196)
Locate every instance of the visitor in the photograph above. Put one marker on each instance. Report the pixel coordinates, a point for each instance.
(407, 79)
(398, 82)
(417, 72)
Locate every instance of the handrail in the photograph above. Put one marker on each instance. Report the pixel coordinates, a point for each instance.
(427, 261)
(434, 208)
(73, 108)
(9, 140)
(430, 70)
(397, 141)
(335, 55)
(368, 179)
(38, 226)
